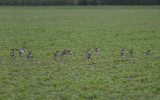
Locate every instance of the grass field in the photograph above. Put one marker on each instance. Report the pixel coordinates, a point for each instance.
(44, 30)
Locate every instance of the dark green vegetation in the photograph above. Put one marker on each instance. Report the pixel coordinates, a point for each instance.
(79, 2)
(44, 30)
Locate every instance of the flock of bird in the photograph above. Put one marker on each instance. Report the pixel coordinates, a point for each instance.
(132, 51)
(20, 52)
(67, 52)
(122, 53)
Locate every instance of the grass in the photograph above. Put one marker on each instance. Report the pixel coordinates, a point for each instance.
(44, 30)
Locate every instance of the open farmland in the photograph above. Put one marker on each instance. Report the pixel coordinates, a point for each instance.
(44, 30)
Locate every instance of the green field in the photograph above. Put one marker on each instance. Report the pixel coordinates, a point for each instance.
(44, 30)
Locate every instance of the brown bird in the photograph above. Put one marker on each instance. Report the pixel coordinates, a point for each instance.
(56, 54)
(21, 51)
(12, 54)
(122, 53)
(148, 52)
(89, 57)
(131, 52)
(64, 52)
(96, 50)
(89, 51)
(29, 55)
(68, 52)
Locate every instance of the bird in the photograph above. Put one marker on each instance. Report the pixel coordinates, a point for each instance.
(89, 51)
(131, 52)
(96, 50)
(29, 55)
(148, 52)
(12, 54)
(64, 52)
(88, 57)
(21, 51)
(56, 54)
(68, 52)
(122, 53)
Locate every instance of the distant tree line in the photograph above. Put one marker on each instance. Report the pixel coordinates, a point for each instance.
(79, 2)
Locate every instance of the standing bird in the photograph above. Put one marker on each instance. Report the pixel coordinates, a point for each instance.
(29, 55)
(131, 52)
(64, 52)
(68, 52)
(122, 53)
(89, 51)
(148, 52)
(88, 57)
(21, 51)
(56, 54)
(96, 50)
(12, 54)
